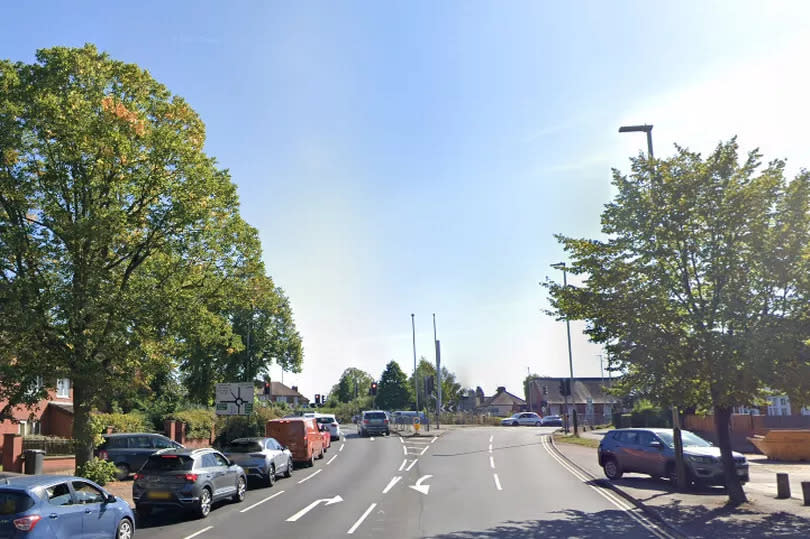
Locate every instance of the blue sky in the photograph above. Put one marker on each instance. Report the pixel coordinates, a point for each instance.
(417, 157)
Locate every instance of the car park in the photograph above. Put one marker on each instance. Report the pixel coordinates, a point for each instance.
(129, 450)
(552, 421)
(189, 479)
(301, 435)
(330, 422)
(651, 451)
(262, 458)
(48, 506)
(522, 418)
(374, 422)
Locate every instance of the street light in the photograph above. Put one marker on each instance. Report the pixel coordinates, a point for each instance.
(640, 129)
(563, 267)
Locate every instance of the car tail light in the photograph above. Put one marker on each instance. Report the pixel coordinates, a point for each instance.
(192, 477)
(169, 456)
(137, 476)
(26, 524)
(102, 455)
(385, 421)
(365, 421)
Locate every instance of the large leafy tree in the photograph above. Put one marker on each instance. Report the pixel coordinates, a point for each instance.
(352, 383)
(700, 292)
(393, 392)
(116, 229)
(451, 389)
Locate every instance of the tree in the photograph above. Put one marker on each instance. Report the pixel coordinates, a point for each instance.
(353, 383)
(117, 232)
(700, 291)
(451, 389)
(393, 392)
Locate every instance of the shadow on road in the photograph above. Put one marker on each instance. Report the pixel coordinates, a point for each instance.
(743, 522)
(494, 449)
(170, 515)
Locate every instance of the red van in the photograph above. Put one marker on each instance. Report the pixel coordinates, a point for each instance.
(301, 435)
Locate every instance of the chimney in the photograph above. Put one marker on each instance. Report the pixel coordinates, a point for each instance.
(501, 389)
(294, 388)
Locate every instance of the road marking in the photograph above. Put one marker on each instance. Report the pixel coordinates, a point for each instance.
(308, 508)
(307, 478)
(195, 534)
(490, 448)
(404, 450)
(371, 438)
(262, 501)
(490, 438)
(434, 439)
(401, 440)
(402, 466)
(361, 519)
(341, 448)
(492, 462)
(497, 482)
(609, 495)
(423, 451)
(408, 469)
(330, 460)
(391, 483)
(419, 487)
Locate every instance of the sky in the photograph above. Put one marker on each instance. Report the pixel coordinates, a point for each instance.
(418, 157)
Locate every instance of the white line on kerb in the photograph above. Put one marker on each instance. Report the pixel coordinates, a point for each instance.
(497, 482)
(391, 483)
(262, 501)
(402, 466)
(341, 448)
(434, 439)
(195, 534)
(423, 451)
(491, 462)
(310, 476)
(361, 519)
(408, 469)
(330, 460)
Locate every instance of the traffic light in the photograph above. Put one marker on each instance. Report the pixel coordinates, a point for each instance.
(565, 387)
(373, 388)
(429, 385)
(317, 399)
(267, 388)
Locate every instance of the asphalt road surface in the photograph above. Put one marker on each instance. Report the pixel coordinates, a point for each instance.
(487, 482)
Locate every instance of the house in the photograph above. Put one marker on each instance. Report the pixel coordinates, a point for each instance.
(502, 403)
(281, 393)
(52, 416)
(472, 400)
(588, 396)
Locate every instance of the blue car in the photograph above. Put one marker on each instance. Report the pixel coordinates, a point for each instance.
(61, 506)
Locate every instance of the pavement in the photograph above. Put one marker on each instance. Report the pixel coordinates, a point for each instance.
(482, 482)
(704, 512)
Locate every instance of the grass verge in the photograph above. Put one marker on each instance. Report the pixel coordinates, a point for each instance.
(576, 440)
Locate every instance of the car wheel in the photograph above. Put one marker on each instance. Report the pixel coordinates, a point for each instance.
(612, 470)
(204, 505)
(289, 471)
(514, 423)
(241, 490)
(323, 451)
(124, 530)
(311, 461)
(122, 471)
(143, 510)
(537, 424)
(271, 476)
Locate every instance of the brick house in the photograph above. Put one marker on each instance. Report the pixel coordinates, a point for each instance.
(281, 393)
(502, 403)
(592, 403)
(52, 416)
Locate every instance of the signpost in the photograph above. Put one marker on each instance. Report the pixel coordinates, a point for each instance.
(234, 398)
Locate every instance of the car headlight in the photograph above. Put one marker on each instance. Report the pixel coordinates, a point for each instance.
(699, 459)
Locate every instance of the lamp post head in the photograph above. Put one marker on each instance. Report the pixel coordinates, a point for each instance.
(635, 128)
(559, 265)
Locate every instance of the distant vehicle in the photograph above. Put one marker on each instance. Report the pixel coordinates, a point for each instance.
(327, 437)
(552, 421)
(129, 450)
(523, 418)
(189, 479)
(300, 435)
(651, 452)
(331, 422)
(263, 458)
(374, 421)
(47, 506)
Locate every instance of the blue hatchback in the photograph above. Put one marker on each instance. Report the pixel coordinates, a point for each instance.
(57, 506)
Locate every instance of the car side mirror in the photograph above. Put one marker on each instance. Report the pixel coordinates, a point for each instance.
(110, 498)
(656, 444)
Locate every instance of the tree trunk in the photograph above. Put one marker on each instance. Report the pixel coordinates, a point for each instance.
(722, 419)
(82, 428)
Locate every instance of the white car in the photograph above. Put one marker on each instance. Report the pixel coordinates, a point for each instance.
(331, 422)
(523, 418)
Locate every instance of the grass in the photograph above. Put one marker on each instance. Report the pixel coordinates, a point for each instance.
(576, 440)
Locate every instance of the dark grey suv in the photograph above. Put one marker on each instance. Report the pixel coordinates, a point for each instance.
(374, 422)
(651, 451)
(189, 479)
(129, 450)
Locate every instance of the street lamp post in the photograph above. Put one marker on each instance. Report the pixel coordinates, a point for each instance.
(640, 129)
(563, 267)
(415, 374)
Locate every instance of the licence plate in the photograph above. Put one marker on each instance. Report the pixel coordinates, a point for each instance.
(159, 495)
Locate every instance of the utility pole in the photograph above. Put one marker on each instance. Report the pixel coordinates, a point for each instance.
(564, 268)
(415, 373)
(529, 388)
(438, 372)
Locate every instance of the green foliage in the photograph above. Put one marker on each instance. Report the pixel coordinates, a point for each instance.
(526, 382)
(98, 470)
(393, 392)
(344, 411)
(199, 421)
(233, 427)
(451, 390)
(130, 422)
(353, 383)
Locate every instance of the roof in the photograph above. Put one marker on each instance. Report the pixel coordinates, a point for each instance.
(582, 389)
(277, 389)
(120, 434)
(66, 406)
(505, 398)
(28, 481)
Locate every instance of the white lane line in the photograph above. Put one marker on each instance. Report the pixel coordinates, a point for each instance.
(391, 483)
(361, 519)
(497, 482)
(307, 478)
(330, 460)
(371, 438)
(195, 534)
(423, 451)
(490, 438)
(402, 466)
(490, 448)
(434, 439)
(401, 440)
(408, 469)
(262, 501)
(404, 450)
(341, 448)
(491, 462)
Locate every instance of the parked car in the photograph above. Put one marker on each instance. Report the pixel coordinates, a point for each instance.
(374, 421)
(331, 422)
(129, 450)
(263, 458)
(651, 451)
(327, 437)
(523, 418)
(300, 435)
(189, 479)
(552, 421)
(48, 506)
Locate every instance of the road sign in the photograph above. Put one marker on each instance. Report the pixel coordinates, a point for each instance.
(234, 398)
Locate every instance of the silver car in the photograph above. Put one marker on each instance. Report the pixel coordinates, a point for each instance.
(523, 418)
(262, 458)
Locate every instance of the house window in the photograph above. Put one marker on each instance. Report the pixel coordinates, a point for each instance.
(26, 428)
(63, 388)
(281, 398)
(778, 406)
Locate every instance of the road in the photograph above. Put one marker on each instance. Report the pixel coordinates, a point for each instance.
(470, 482)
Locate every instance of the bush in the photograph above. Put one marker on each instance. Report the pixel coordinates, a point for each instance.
(233, 427)
(130, 422)
(98, 470)
(198, 421)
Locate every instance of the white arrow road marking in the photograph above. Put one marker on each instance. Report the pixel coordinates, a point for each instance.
(497, 482)
(434, 439)
(310, 476)
(491, 462)
(262, 501)
(341, 448)
(330, 460)
(408, 469)
(308, 508)
(361, 519)
(195, 534)
(402, 466)
(423, 451)
(391, 483)
(418, 486)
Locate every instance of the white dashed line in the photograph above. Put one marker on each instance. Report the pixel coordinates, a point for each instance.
(307, 478)
(401, 440)
(391, 483)
(330, 460)
(490, 448)
(423, 451)
(434, 439)
(361, 519)
(195, 534)
(491, 462)
(497, 481)
(490, 438)
(371, 439)
(261, 502)
(408, 469)
(341, 448)
(402, 466)
(404, 450)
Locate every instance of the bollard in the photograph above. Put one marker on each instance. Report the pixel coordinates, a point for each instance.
(782, 486)
(806, 492)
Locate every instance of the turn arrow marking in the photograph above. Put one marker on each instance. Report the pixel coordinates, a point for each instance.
(418, 486)
(308, 508)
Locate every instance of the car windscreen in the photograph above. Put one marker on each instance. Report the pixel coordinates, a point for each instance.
(326, 420)
(375, 415)
(243, 446)
(168, 463)
(13, 502)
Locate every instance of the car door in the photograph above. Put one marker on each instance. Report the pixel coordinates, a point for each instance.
(226, 475)
(626, 450)
(64, 516)
(99, 518)
(647, 456)
(274, 450)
